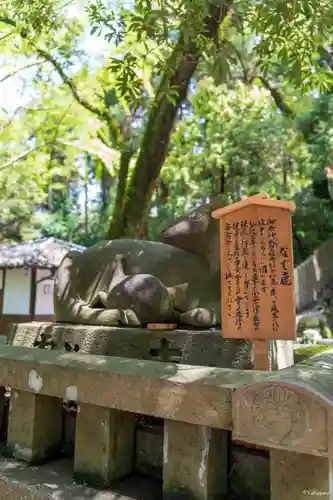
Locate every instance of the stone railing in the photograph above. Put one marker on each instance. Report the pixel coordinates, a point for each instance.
(290, 412)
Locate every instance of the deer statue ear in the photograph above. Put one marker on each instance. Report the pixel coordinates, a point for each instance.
(175, 226)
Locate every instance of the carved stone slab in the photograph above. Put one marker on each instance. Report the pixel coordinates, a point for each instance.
(279, 415)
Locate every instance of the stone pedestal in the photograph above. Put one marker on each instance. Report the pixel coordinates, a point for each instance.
(190, 347)
(194, 462)
(34, 427)
(249, 474)
(149, 451)
(295, 476)
(104, 445)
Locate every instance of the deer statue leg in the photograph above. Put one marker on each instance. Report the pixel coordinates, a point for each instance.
(199, 317)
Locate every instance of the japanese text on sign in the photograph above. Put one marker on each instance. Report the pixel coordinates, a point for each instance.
(256, 265)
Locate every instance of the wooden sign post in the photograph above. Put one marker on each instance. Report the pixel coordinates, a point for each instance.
(257, 271)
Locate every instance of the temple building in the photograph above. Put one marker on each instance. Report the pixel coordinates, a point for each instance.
(26, 279)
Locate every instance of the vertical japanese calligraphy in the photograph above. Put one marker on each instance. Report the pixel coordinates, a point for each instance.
(257, 271)
(257, 288)
(228, 276)
(244, 234)
(272, 255)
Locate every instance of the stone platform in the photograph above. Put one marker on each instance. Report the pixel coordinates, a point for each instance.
(191, 347)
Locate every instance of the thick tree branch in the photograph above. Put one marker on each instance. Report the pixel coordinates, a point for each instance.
(7, 20)
(180, 69)
(326, 56)
(70, 84)
(65, 78)
(102, 114)
(278, 99)
(56, 133)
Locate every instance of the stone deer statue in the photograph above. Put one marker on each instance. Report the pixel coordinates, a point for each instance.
(134, 282)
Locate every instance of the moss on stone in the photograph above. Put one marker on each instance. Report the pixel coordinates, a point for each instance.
(303, 353)
(311, 351)
(314, 322)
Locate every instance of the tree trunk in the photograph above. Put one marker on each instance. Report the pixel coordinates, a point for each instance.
(180, 69)
(86, 198)
(105, 189)
(222, 180)
(106, 183)
(116, 226)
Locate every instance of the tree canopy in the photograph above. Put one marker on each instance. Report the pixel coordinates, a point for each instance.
(188, 100)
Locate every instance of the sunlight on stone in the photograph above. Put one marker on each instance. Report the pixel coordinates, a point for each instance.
(82, 358)
(102, 496)
(307, 375)
(189, 375)
(52, 486)
(71, 393)
(11, 465)
(35, 382)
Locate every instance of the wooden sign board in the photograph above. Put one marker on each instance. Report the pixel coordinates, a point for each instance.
(257, 289)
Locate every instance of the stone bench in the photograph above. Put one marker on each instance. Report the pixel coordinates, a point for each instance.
(291, 413)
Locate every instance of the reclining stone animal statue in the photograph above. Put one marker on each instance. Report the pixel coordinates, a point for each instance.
(135, 282)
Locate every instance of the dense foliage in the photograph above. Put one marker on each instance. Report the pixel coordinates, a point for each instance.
(189, 100)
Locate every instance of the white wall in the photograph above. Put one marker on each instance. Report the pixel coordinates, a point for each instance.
(17, 292)
(44, 293)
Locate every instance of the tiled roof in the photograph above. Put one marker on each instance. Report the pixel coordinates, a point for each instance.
(42, 253)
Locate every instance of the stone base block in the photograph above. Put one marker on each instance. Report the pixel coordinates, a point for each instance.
(249, 474)
(149, 453)
(195, 462)
(104, 445)
(69, 421)
(295, 476)
(34, 427)
(191, 347)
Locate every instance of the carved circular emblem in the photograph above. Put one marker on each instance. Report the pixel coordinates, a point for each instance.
(279, 414)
